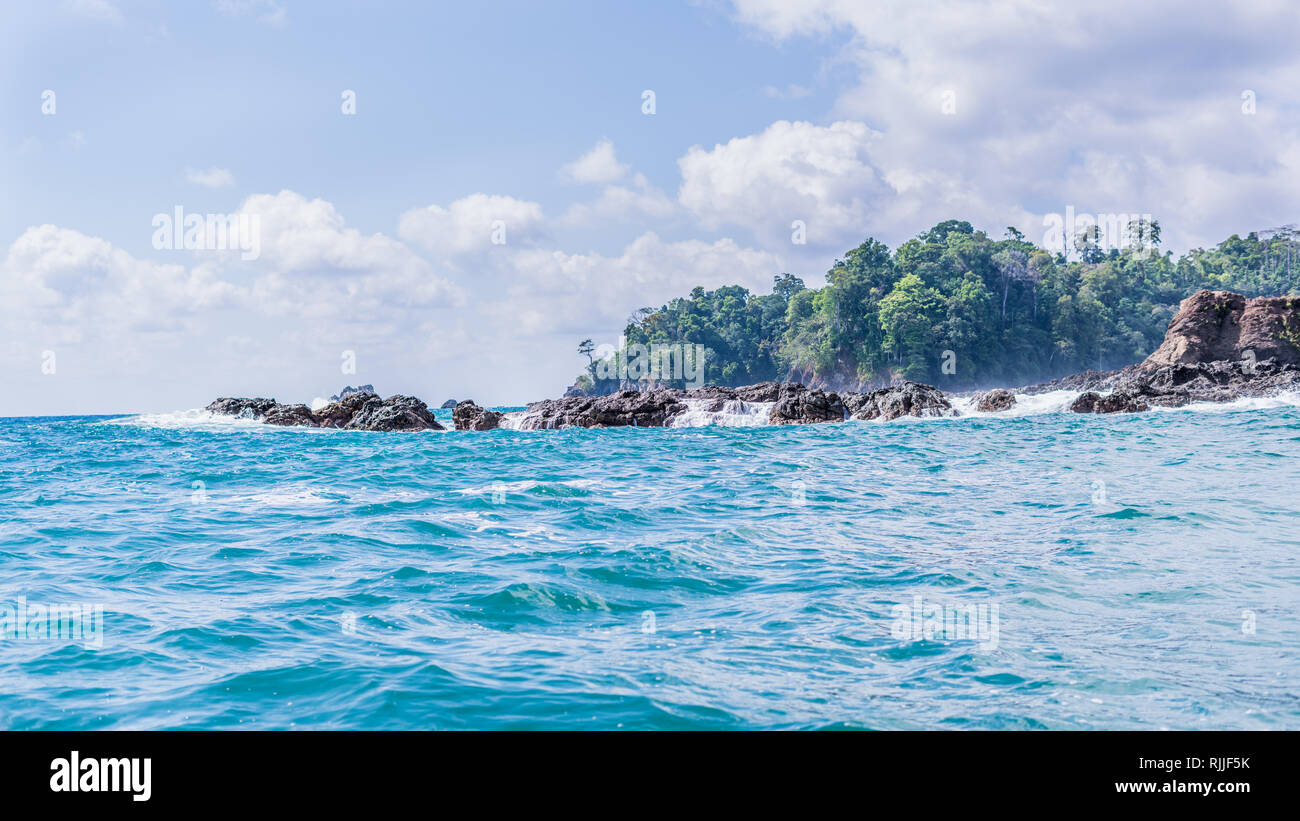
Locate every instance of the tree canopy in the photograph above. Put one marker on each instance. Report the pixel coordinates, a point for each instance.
(958, 309)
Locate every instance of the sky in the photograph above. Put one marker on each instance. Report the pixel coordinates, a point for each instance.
(446, 198)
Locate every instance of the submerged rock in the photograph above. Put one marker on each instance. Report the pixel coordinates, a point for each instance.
(468, 416)
(907, 399)
(998, 399)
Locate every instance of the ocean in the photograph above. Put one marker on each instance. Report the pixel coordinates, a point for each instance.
(1037, 569)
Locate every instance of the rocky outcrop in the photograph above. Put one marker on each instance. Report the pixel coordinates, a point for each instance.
(797, 405)
(998, 399)
(242, 407)
(351, 391)
(1089, 380)
(1220, 346)
(1220, 326)
(623, 409)
(450, 403)
(290, 416)
(468, 416)
(356, 410)
(1116, 402)
(394, 413)
(907, 399)
(339, 413)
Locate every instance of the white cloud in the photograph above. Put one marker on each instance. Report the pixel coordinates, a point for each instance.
(212, 177)
(822, 175)
(1061, 105)
(599, 165)
(637, 201)
(553, 291)
(317, 264)
(468, 225)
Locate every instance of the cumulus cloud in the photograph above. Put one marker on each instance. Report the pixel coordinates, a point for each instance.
(821, 175)
(638, 201)
(1013, 109)
(554, 291)
(599, 165)
(472, 224)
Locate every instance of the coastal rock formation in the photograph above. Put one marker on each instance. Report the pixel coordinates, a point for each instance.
(998, 399)
(626, 408)
(1089, 380)
(351, 391)
(1220, 346)
(242, 407)
(798, 405)
(450, 403)
(1116, 402)
(907, 399)
(468, 416)
(339, 413)
(290, 416)
(394, 413)
(1219, 326)
(358, 409)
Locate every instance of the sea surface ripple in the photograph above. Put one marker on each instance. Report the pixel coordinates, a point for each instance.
(1144, 570)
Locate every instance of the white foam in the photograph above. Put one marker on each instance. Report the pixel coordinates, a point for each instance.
(1027, 404)
(735, 413)
(525, 486)
(196, 419)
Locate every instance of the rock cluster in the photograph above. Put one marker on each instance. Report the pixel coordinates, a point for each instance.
(907, 399)
(353, 409)
(1220, 346)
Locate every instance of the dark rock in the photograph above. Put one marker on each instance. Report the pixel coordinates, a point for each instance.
(242, 407)
(290, 416)
(907, 399)
(394, 413)
(468, 416)
(1116, 402)
(339, 414)
(998, 399)
(626, 408)
(351, 391)
(1089, 380)
(450, 403)
(797, 405)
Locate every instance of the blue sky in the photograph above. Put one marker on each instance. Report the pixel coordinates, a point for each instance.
(374, 226)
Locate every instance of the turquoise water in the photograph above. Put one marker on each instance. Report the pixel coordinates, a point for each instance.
(1143, 568)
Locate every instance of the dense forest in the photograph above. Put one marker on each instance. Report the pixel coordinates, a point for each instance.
(956, 308)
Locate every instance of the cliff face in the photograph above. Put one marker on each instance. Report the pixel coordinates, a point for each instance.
(1218, 326)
